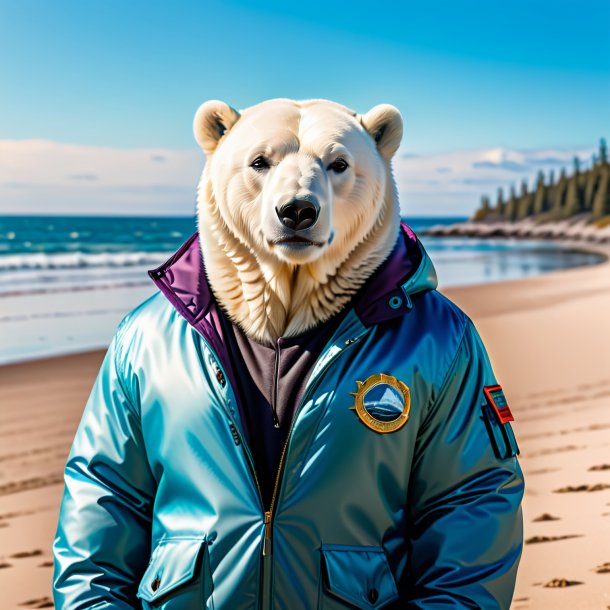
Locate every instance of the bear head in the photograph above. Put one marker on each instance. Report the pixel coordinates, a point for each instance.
(296, 197)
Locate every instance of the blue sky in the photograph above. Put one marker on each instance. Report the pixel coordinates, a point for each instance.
(466, 74)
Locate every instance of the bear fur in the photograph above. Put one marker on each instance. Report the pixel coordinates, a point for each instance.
(280, 151)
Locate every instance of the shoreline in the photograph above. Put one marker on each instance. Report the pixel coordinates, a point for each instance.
(548, 338)
(570, 235)
(568, 245)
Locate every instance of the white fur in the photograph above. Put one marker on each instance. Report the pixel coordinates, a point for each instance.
(272, 290)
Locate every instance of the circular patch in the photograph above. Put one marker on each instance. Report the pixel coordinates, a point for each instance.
(382, 403)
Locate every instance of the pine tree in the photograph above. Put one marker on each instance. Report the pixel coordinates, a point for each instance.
(540, 197)
(511, 206)
(603, 151)
(591, 182)
(525, 202)
(573, 203)
(500, 206)
(560, 196)
(524, 187)
(601, 201)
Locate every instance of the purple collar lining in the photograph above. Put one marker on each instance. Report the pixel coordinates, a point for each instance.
(183, 280)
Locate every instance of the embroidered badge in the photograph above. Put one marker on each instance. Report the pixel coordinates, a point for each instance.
(497, 401)
(382, 403)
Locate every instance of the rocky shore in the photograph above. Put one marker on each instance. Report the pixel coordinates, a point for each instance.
(578, 228)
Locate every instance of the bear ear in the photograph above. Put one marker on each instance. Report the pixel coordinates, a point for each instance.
(212, 120)
(384, 123)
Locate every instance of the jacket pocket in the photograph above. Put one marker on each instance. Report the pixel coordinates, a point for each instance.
(178, 575)
(358, 576)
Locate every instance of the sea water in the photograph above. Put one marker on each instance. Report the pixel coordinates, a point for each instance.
(66, 281)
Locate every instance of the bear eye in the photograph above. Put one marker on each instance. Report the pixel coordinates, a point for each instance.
(260, 164)
(338, 165)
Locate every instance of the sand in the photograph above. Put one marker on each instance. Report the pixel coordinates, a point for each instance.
(549, 341)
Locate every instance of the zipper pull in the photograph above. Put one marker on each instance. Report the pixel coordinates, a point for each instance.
(234, 433)
(267, 540)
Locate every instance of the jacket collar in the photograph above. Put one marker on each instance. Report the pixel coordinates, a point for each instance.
(407, 271)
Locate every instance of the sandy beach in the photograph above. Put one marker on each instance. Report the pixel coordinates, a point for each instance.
(549, 341)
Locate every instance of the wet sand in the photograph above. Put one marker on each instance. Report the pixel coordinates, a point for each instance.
(549, 341)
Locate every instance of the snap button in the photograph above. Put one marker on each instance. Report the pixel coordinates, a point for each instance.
(373, 595)
(395, 302)
(220, 377)
(154, 585)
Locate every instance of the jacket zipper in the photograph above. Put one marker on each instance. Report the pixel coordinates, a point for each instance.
(268, 515)
(267, 543)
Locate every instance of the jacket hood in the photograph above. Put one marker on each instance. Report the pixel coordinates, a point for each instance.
(407, 271)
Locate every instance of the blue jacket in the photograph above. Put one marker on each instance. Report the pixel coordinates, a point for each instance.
(399, 485)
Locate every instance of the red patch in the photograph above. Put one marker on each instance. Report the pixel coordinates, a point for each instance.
(495, 397)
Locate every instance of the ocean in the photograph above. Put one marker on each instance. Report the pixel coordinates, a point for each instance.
(67, 281)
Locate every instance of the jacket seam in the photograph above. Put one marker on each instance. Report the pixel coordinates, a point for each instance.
(118, 352)
(451, 367)
(130, 402)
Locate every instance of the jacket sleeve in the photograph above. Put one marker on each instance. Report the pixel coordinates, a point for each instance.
(102, 543)
(465, 521)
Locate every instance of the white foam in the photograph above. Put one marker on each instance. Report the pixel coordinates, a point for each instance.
(72, 260)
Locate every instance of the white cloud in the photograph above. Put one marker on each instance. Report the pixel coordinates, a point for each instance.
(42, 177)
(452, 183)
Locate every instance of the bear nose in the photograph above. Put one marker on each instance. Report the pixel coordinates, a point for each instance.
(298, 214)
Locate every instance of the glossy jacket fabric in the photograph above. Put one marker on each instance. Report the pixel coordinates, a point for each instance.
(161, 507)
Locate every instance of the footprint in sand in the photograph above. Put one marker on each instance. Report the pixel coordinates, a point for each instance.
(600, 467)
(41, 602)
(35, 483)
(571, 488)
(551, 450)
(23, 554)
(559, 583)
(546, 517)
(541, 471)
(536, 539)
(604, 568)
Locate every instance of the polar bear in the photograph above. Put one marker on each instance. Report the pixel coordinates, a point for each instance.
(297, 206)
(378, 460)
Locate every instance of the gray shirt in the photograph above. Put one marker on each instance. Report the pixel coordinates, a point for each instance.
(271, 381)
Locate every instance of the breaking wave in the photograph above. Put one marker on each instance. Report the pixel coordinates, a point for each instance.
(80, 260)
